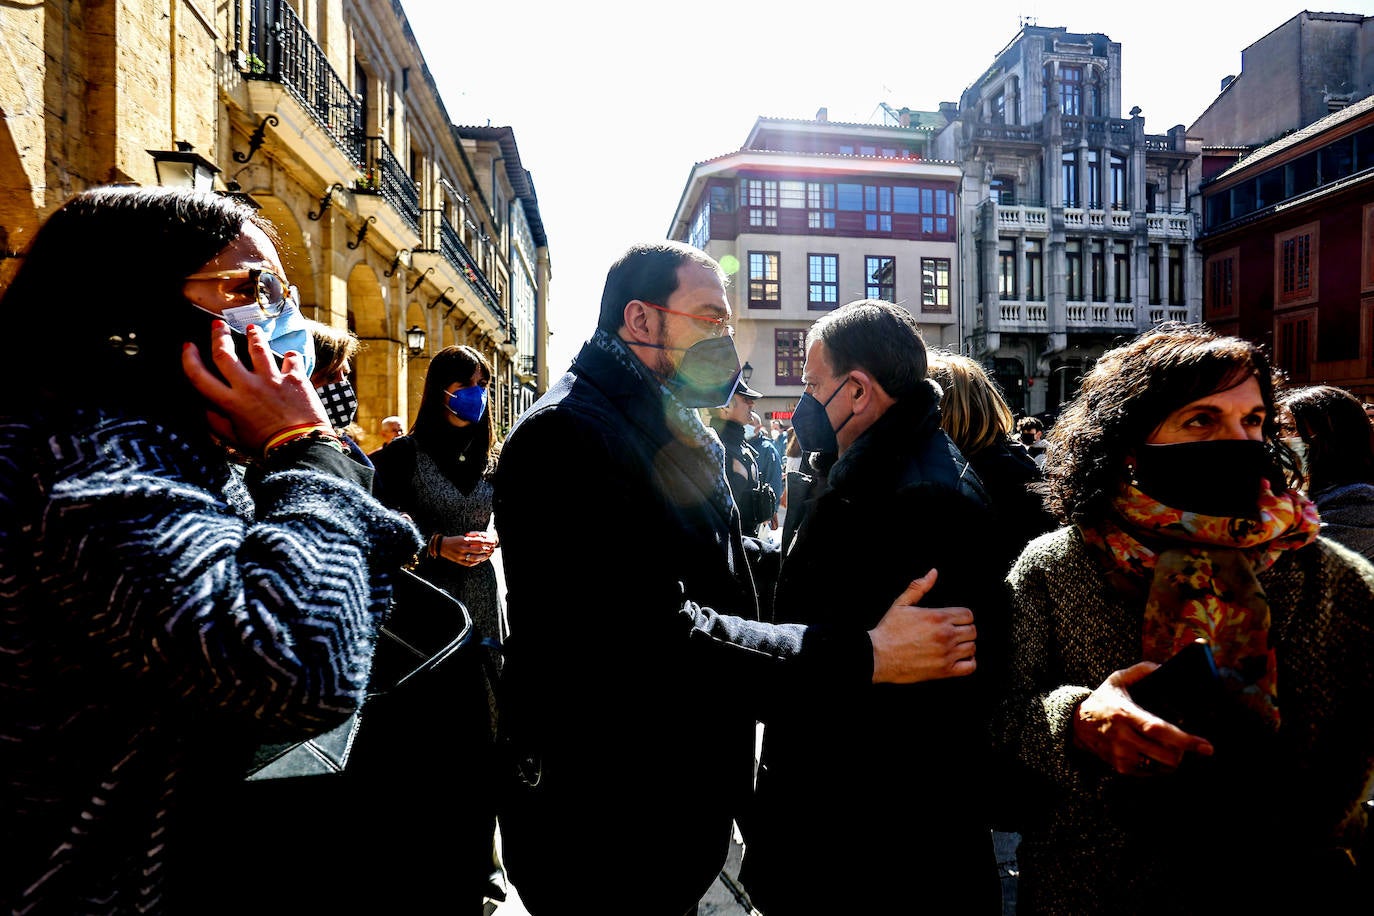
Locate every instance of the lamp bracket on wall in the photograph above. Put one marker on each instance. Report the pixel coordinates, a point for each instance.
(362, 234)
(326, 201)
(401, 254)
(418, 280)
(443, 297)
(255, 141)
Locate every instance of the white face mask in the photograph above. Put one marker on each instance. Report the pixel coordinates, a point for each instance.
(749, 430)
(1299, 449)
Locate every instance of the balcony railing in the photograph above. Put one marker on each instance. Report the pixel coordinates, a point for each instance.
(1169, 225)
(1006, 133)
(1168, 313)
(439, 235)
(1099, 315)
(1023, 216)
(386, 177)
(1024, 313)
(280, 50)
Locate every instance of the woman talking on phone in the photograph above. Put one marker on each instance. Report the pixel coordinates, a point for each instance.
(1167, 470)
(160, 618)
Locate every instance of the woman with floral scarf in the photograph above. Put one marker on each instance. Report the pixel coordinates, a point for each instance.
(1180, 525)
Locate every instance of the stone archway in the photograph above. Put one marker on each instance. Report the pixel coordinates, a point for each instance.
(379, 359)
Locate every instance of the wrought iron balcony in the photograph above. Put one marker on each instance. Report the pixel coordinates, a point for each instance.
(439, 235)
(385, 176)
(281, 50)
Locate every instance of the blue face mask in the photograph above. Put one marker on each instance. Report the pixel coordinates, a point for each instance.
(286, 332)
(468, 403)
(812, 425)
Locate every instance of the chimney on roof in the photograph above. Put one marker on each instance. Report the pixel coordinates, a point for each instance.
(822, 114)
(904, 117)
(949, 110)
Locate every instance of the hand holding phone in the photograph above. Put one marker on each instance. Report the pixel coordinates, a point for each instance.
(248, 404)
(1184, 691)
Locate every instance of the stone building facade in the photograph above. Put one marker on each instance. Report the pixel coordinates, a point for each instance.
(392, 218)
(1078, 224)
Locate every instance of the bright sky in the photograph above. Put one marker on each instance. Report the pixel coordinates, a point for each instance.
(612, 102)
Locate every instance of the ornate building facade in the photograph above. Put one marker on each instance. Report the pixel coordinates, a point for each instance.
(393, 219)
(1078, 230)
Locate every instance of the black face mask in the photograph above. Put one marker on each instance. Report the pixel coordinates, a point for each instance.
(1221, 477)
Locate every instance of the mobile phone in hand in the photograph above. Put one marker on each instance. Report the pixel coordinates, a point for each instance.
(1184, 691)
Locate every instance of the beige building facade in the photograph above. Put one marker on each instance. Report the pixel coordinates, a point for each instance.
(392, 219)
(811, 214)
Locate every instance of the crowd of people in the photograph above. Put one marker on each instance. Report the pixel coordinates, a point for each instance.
(1141, 638)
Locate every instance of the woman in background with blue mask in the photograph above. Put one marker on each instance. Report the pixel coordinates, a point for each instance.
(440, 476)
(160, 616)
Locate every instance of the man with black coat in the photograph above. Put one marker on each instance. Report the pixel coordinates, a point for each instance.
(635, 667)
(875, 803)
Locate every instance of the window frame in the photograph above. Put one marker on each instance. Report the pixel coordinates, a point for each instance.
(1297, 251)
(1008, 288)
(873, 264)
(1296, 353)
(1073, 270)
(1035, 270)
(931, 291)
(830, 286)
(1121, 272)
(1070, 90)
(1221, 298)
(789, 353)
(765, 284)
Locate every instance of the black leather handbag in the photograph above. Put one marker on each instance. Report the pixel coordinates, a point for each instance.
(425, 628)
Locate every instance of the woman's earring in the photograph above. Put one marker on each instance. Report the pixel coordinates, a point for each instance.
(1130, 474)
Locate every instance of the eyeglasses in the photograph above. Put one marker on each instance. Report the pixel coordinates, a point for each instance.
(727, 329)
(267, 290)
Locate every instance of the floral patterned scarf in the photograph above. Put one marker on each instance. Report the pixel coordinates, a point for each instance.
(1202, 573)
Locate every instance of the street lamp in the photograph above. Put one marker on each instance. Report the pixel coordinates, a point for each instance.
(748, 372)
(415, 339)
(183, 167)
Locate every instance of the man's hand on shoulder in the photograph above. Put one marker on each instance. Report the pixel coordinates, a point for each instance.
(913, 643)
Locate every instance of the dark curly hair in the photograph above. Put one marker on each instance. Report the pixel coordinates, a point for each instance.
(1128, 393)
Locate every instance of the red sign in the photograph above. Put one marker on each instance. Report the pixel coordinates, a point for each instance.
(780, 415)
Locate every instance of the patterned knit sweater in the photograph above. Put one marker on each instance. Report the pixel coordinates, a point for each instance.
(1097, 842)
(156, 623)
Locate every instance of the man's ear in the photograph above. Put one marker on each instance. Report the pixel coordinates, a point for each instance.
(863, 390)
(637, 320)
